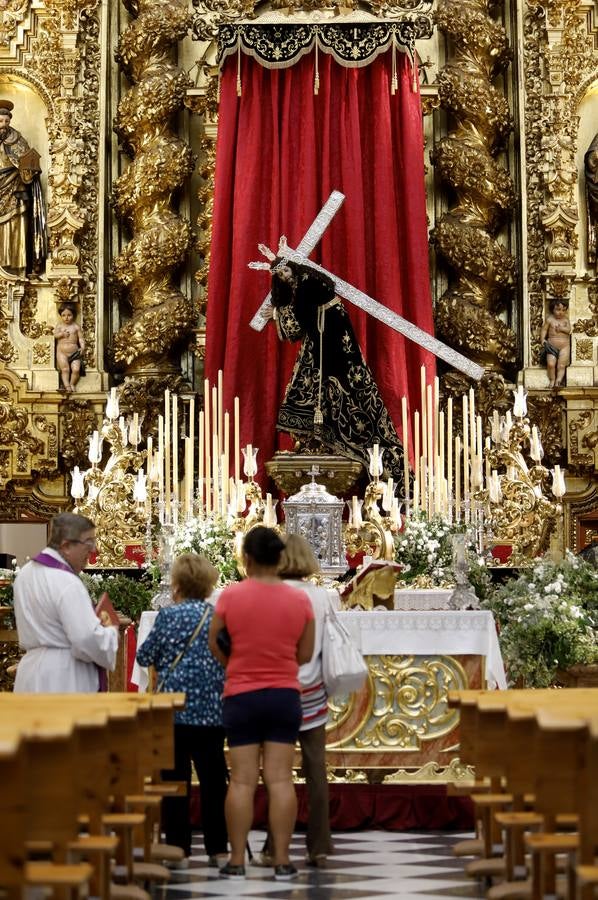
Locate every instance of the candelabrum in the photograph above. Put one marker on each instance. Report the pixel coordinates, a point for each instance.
(369, 530)
(521, 502)
(114, 495)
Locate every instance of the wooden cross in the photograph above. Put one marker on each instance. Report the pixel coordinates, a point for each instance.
(363, 301)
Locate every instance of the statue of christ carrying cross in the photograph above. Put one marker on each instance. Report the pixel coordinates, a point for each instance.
(332, 403)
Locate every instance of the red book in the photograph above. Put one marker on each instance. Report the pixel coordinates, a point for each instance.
(105, 609)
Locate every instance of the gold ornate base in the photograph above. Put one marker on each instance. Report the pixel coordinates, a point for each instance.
(290, 471)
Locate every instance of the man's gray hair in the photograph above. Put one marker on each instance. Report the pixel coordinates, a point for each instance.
(68, 527)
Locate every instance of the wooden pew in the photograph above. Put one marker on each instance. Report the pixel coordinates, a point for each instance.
(99, 724)
(543, 744)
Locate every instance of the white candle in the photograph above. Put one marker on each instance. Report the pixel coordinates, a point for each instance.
(220, 394)
(208, 450)
(77, 487)
(465, 448)
(175, 447)
(416, 459)
(192, 439)
(495, 426)
(405, 450)
(473, 449)
(134, 430)
(167, 451)
(200, 463)
(161, 459)
(148, 457)
(237, 440)
(431, 450)
(215, 473)
(449, 456)
(356, 510)
(441, 452)
(457, 479)
(188, 481)
(423, 411)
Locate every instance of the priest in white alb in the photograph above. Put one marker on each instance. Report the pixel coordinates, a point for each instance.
(68, 649)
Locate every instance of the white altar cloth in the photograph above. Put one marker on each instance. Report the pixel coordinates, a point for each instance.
(398, 633)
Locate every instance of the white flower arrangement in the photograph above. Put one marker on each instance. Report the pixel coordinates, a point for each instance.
(213, 538)
(424, 550)
(548, 619)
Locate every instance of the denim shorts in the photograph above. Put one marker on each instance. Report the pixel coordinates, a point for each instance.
(270, 714)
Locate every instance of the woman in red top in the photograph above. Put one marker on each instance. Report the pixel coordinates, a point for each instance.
(271, 628)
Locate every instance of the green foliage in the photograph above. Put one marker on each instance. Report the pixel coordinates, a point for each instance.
(548, 620)
(128, 595)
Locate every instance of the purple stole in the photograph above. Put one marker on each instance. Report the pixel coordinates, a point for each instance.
(44, 559)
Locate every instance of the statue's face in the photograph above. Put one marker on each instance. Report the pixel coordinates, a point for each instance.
(67, 316)
(285, 273)
(4, 124)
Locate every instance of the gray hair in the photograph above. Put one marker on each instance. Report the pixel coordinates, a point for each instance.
(68, 527)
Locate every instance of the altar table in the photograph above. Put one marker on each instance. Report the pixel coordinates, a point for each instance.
(398, 727)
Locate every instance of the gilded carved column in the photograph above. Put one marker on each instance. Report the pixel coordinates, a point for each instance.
(161, 316)
(467, 314)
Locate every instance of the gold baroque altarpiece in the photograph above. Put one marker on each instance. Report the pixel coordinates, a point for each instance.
(57, 54)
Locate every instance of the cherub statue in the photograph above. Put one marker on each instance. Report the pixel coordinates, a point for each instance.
(70, 345)
(555, 336)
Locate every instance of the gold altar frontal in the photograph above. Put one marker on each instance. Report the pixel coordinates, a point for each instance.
(398, 728)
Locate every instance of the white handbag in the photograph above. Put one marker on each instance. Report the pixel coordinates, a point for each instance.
(343, 666)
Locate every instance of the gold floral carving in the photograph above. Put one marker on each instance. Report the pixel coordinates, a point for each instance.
(406, 704)
(559, 63)
(161, 317)
(467, 314)
(589, 326)
(77, 422)
(547, 412)
(12, 13)
(584, 349)
(580, 426)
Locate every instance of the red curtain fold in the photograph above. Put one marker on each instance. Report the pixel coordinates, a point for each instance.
(281, 150)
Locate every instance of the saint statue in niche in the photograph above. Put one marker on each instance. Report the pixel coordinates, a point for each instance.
(591, 177)
(23, 242)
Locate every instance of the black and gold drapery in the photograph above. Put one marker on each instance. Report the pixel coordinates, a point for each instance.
(279, 46)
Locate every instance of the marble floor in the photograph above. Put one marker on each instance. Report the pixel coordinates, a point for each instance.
(366, 864)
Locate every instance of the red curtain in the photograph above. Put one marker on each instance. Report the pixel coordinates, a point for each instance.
(281, 150)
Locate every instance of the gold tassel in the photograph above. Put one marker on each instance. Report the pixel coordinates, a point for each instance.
(394, 83)
(239, 89)
(317, 71)
(318, 417)
(414, 71)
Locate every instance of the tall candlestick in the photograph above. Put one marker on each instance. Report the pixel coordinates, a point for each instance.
(465, 448)
(216, 422)
(208, 440)
(473, 450)
(495, 426)
(423, 411)
(416, 486)
(449, 456)
(200, 462)
(188, 482)
(431, 449)
(441, 492)
(192, 439)
(215, 474)
(220, 394)
(237, 440)
(405, 427)
(226, 451)
(167, 452)
(457, 479)
(487, 461)
(148, 457)
(175, 447)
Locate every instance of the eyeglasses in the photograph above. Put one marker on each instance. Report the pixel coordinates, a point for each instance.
(89, 543)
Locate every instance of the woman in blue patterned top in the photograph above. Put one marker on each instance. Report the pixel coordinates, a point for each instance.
(198, 731)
